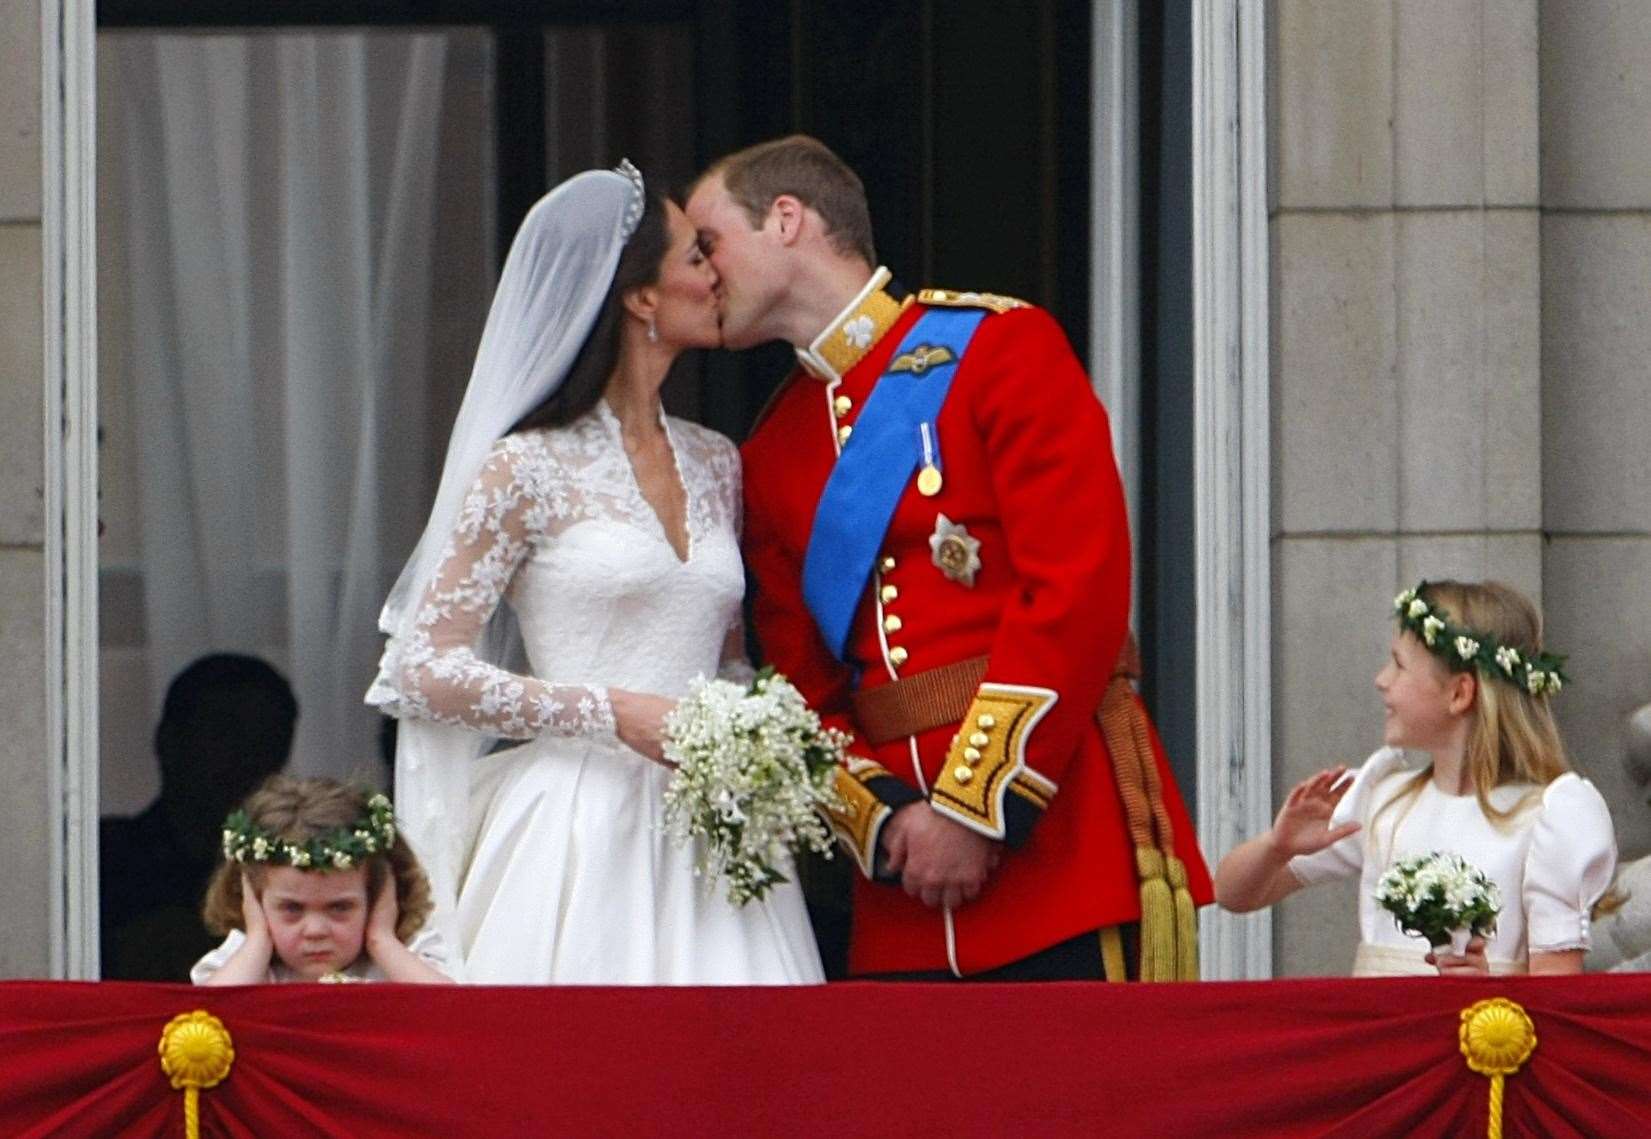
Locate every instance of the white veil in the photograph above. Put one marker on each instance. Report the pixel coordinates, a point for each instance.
(559, 269)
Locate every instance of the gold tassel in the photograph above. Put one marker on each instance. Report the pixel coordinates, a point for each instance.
(1186, 923)
(1169, 920)
(1157, 917)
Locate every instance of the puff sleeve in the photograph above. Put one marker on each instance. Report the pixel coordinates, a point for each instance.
(1572, 857)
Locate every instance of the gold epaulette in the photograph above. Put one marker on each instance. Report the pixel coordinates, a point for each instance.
(953, 299)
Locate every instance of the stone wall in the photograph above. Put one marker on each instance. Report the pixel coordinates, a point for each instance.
(1407, 380)
(24, 764)
(1596, 379)
(1461, 237)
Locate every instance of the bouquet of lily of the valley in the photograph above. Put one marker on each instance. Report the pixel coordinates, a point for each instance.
(1442, 897)
(753, 769)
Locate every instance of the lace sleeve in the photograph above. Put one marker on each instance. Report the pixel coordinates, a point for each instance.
(443, 679)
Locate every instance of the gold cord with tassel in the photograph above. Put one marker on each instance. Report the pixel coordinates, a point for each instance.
(1169, 920)
(1496, 1037)
(196, 1052)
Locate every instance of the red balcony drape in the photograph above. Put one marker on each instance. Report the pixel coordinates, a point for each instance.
(1288, 1058)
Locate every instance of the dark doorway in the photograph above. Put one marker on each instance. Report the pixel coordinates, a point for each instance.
(978, 176)
(970, 124)
(1164, 550)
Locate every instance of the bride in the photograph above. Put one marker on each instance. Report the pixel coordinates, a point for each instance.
(611, 528)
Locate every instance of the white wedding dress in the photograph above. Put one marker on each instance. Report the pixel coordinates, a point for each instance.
(571, 878)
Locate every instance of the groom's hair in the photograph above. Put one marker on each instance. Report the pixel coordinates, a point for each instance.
(805, 168)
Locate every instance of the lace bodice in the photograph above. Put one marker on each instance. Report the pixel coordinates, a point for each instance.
(557, 524)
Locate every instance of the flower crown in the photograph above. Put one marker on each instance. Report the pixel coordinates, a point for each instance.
(373, 833)
(1459, 647)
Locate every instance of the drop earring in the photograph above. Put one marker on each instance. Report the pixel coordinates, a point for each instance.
(653, 331)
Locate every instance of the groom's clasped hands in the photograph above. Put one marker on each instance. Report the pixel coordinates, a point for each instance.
(940, 862)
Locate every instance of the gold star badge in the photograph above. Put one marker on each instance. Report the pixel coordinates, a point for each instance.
(955, 552)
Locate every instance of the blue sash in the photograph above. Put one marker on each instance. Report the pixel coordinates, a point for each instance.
(876, 465)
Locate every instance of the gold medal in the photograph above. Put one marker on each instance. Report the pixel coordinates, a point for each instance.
(929, 481)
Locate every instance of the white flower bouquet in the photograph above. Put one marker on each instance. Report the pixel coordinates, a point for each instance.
(753, 769)
(1442, 897)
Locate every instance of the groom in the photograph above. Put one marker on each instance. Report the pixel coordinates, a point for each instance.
(937, 532)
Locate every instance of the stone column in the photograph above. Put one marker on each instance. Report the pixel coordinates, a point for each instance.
(1596, 380)
(1405, 357)
(25, 886)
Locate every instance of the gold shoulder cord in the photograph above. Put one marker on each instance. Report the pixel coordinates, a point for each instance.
(951, 298)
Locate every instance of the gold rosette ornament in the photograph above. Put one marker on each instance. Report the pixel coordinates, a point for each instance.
(196, 1053)
(1497, 1037)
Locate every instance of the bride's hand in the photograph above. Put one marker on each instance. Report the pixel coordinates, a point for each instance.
(639, 722)
(1303, 823)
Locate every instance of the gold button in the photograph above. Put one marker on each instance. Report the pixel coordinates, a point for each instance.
(963, 774)
(843, 433)
(980, 739)
(850, 810)
(987, 722)
(972, 754)
(888, 593)
(841, 405)
(897, 656)
(887, 565)
(892, 624)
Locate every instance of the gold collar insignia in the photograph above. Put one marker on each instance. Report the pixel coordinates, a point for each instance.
(846, 340)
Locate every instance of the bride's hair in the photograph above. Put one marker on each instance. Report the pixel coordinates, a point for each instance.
(588, 377)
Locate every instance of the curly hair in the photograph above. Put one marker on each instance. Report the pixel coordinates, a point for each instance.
(297, 810)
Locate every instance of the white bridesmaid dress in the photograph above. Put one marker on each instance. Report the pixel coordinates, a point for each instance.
(1551, 861)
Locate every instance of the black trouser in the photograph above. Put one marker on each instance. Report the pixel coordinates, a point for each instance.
(1075, 959)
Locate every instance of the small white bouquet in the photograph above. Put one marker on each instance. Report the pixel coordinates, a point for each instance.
(754, 767)
(1442, 897)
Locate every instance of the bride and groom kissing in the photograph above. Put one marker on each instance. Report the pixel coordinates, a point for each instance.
(932, 516)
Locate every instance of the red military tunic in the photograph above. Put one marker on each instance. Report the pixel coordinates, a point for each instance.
(1029, 474)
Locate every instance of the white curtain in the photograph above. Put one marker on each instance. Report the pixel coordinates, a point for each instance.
(279, 193)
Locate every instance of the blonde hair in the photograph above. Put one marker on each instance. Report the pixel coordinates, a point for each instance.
(1513, 737)
(297, 810)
